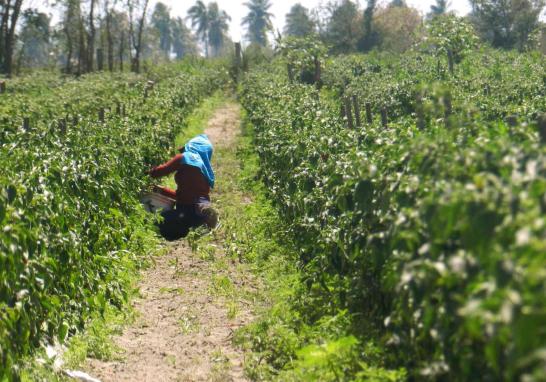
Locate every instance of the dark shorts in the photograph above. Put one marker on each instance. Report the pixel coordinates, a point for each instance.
(177, 223)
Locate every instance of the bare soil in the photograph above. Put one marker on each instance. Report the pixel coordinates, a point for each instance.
(188, 308)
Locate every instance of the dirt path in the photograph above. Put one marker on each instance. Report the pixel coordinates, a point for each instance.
(188, 308)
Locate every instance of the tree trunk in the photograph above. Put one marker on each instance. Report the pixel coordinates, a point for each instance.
(121, 50)
(138, 45)
(109, 39)
(91, 37)
(9, 22)
(82, 54)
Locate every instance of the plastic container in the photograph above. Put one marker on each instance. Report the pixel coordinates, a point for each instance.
(154, 202)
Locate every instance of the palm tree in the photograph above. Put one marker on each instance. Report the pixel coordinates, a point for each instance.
(199, 16)
(298, 22)
(218, 27)
(258, 21)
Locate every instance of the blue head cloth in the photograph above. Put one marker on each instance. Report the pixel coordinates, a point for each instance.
(198, 153)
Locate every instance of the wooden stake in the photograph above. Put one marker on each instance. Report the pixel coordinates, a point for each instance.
(318, 73)
(419, 109)
(369, 115)
(238, 61)
(356, 106)
(62, 126)
(384, 117)
(448, 109)
(349, 113)
(541, 122)
(290, 69)
(238, 53)
(450, 62)
(342, 113)
(512, 120)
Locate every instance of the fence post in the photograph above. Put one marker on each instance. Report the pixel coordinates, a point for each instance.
(384, 117)
(356, 106)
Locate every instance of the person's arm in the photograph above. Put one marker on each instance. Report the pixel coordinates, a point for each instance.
(165, 191)
(167, 168)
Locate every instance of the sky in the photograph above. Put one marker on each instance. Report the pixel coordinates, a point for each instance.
(280, 8)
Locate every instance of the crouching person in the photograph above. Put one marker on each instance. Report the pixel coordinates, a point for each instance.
(194, 179)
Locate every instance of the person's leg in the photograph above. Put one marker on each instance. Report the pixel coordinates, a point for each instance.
(205, 214)
(174, 225)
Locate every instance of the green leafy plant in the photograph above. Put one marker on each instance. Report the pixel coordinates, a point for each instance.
(430, 235)
(72, 227)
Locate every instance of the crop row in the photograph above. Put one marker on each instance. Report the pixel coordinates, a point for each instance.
(433, 238)
(72, 226)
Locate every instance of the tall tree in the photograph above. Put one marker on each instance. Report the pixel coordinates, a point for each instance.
(218, 27)
(161, 21)
(398, 3)
(439, 8)
(73, 42)
(9, 15)
(182, 39)
(396, 28)
(299, 22)
(108, 16)
(35, 39)
(370, 36)
(199, 16)
(121, 29)
(258, 21)
(91, 31)
(136, 29)
(506, 23)
(345, 27)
